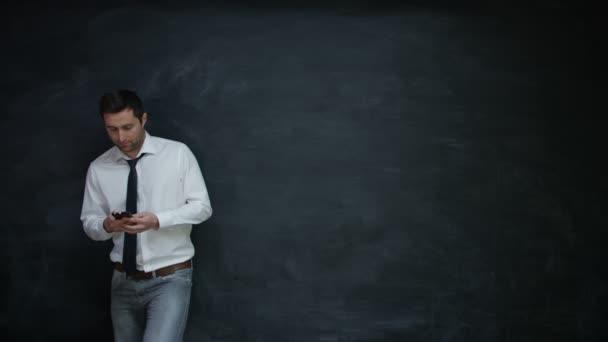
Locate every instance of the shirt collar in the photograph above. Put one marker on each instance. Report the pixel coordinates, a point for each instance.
(149, 147)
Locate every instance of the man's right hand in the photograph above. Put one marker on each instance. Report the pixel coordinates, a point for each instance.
(112, 225)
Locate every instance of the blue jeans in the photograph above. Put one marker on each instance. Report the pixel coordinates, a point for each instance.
(150, 310)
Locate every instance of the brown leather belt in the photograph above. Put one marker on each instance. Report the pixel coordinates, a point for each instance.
(161, 272)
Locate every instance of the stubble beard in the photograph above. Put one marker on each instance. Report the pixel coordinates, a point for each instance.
(134, 146)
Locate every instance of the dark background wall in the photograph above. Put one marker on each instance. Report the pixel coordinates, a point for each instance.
(420, 171)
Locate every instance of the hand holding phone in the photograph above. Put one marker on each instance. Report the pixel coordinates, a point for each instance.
(119, 215)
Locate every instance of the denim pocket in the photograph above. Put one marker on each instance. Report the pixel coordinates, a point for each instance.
(116, 279)
(183, 275)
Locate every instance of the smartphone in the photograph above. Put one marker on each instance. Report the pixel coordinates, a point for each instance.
(119, 215)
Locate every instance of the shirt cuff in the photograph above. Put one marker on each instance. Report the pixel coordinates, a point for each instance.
(103, 233)
(165, 219)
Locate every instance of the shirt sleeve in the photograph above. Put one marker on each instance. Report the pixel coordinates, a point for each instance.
(196, 207)
(93, 211)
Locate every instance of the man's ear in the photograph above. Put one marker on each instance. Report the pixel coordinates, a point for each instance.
(144, 119)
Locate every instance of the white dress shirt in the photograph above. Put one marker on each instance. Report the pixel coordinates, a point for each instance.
(169, 184)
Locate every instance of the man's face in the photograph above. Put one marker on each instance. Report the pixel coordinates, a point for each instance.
(126, 131)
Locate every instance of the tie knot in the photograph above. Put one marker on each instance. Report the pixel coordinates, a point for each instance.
(133, 162)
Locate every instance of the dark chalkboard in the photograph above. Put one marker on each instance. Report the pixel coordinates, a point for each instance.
(377, 173)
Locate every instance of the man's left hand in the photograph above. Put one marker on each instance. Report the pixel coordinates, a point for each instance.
(141, 222)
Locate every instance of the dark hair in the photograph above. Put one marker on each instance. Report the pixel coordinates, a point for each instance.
(120, 100)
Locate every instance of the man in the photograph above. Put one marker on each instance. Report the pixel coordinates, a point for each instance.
(159, 182)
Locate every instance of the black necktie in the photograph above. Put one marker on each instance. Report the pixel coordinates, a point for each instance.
(130, 240)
